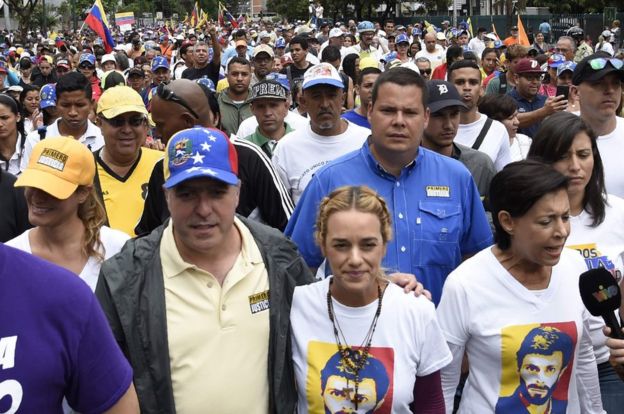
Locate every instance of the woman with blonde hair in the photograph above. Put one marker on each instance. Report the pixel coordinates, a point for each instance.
(351, 352)
(66, 213)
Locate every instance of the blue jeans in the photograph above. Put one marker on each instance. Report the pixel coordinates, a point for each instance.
(611, 389)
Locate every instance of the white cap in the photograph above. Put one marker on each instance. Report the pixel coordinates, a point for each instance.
(491, 36)
(322, 74)
(109, 57)
(336, 32)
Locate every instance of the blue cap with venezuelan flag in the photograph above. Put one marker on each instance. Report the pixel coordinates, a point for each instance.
(97, 21)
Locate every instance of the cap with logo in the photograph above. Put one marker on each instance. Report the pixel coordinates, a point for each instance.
(120, 100)
(336, 32)
(595, 67)
(58, 166)
(443, 94)
(281, 78)
(322, 74)
(207, 82)
(280, 43)
(87, 58)
(416, 31)
(566, 67)
(159, 62)
(402, 38)
(555, 60)
(365, 26)
(268, 89)
(63, 63)
(528, 66)
(47, 96)
(263, 49)
(200, 152)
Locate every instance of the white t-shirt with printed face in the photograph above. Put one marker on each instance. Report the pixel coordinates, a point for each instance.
(512, 335)
(112, 240)
(302, 152)
(407, 343)
(611, 147)
(495, 144)
(601, 246)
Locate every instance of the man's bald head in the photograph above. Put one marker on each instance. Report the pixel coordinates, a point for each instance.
(171, 116)
(430, 41)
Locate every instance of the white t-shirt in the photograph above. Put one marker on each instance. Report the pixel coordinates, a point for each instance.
(611, 147)
(300, 153)
(407, 343)
(477, 46)
(487, 311)
(601, 246)
(495, 144)
(436, 58)
(112, 241)
(249, 125)
(92, 138)
(519, 148)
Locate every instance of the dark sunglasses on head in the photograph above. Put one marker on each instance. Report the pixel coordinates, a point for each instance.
(600, 63)
(168, 95)
(119, 122)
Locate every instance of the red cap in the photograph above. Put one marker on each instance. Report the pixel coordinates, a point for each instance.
(528, 66)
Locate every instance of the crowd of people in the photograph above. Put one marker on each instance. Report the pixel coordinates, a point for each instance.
(316, 217)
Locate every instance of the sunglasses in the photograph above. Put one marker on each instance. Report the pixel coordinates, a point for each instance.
(426, 71)
(168, 95)
(119, 122)
(600, 63)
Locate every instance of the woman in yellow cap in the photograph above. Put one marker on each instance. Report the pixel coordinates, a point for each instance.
(66, 213)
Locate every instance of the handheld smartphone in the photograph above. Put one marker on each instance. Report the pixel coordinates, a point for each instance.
(563, 90)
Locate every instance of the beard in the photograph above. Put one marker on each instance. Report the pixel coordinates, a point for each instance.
(535, 399)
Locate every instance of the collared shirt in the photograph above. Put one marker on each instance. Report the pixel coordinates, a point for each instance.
(437, 214)
(218, 335)
(92, 138)
(525, 106)
(267, 144)
(16, 164)
(357, 119)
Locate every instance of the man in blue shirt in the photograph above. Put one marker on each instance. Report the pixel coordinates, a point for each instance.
(533, 107)
(437, 215)
(364, 87)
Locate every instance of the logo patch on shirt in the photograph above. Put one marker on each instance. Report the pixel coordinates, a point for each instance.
(53, 159)
(438, 191)
(259, 302)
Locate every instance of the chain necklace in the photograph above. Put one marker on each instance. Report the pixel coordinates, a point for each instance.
(354, 360)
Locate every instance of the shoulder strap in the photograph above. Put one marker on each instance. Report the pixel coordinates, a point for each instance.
(289, 76)
(502, 85)
(42, 132)
(482, 134)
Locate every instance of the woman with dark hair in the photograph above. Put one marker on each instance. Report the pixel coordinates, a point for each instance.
(350, 65)
(29, 100)
(504, 108)
(567, 143)
(349, 40)
(414, 48)
(515, 308)
(12, 137)
(25, 70)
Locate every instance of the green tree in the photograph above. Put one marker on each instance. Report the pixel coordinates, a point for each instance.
(51, 17)
(23, 10)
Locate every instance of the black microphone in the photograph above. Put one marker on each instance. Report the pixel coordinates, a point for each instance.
(601, 296)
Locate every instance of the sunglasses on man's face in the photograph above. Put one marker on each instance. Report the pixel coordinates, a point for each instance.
(118, 121)
(168, 95)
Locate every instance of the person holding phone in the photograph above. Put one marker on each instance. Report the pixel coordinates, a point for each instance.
(564, 80)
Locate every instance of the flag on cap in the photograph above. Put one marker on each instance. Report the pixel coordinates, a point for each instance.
(96, 20)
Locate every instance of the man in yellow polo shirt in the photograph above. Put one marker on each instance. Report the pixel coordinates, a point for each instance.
(201, 305)
(124, 166)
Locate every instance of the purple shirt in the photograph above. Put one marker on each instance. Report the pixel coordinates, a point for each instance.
(54, 341)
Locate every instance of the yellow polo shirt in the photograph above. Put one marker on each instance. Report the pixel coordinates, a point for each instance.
(218, 335)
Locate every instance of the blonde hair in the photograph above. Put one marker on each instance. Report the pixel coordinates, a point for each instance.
(92, 214)
(359, 198)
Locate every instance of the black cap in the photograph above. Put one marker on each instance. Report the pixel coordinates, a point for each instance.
(585, 73)
(443, 94)
(136, 71)
(268, 89)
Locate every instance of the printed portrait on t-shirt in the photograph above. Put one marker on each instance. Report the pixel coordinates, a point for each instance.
(331, 382)
(536, 364)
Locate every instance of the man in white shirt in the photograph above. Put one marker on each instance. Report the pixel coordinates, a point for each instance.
(74, 104)
(596, 83)
(477, 130)
(477, 44)
(432, 51)
(302, 152)
(365, 48)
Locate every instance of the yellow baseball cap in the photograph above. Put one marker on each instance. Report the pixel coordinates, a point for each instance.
(120, 100)
(58, 166)
(369, 62)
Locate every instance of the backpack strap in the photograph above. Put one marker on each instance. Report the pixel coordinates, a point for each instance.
(43, 130)
(482, 134)
(502, 86)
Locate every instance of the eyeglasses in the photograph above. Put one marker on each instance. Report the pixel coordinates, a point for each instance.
(119, 122)
(168, 95)
(600, 63)
(533, 77)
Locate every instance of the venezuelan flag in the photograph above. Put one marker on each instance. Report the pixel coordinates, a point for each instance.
(96, 20)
